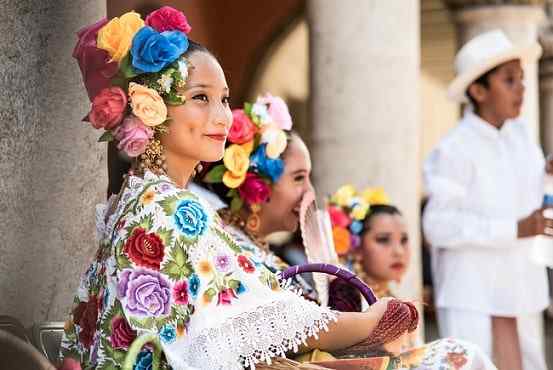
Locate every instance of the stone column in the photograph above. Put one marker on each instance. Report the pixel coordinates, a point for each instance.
(53, 170)
(520, 23)
(365, 68)
(546, 91)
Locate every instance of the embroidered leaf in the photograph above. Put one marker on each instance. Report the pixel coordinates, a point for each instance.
(228, 240)
(107, 136)
(166, 236)
(123, 262)
(215, 175)
(169, 205)
(179, 255)
(236, 204)
(145, 323)
(178, 267)
(108, 364)
(233, 284)
(146, 222)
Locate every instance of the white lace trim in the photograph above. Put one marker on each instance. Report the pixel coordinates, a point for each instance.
(244, 340)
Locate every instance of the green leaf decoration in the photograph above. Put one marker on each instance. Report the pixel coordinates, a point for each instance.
(166, 236)
(232, 193)
(215, 175)
(145, 323)
(126, 67)
(248, 108)
(234, 284)
(173, 98)
(210, 293)
(228, 240)
(236, 204)
(179, 255)
(121, 82)
(108, 365)
(178, 266)
(169, 205)
(107, 136)
(123, 262)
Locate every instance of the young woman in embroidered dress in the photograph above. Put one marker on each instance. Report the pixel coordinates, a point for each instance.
(165, 265)
(253, 210)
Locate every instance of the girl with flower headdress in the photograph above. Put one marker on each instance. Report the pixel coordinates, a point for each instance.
(251, 213)
(166, 270)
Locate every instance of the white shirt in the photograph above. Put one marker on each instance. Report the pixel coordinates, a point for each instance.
(480, 182)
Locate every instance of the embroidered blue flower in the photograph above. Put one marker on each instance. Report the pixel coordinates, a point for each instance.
(194, 285)
(143, 361)
(152, 51)
(240, 289)
(356, 227)
(190, 218)
(168, 334)
(272, 168)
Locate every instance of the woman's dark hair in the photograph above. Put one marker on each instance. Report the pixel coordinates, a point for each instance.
(376, 210)
(482, 80)
(117, 166)
(219, 188)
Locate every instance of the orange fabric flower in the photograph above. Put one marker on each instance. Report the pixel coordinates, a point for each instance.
(342, 241)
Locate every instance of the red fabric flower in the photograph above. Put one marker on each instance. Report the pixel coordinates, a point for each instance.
(242, 129)
(180, 292)
(338, 217)
(167, 18)
(85, 315)
(145, 249)
(122, 335)
(246, 264)
(108, 108)
(254, 190)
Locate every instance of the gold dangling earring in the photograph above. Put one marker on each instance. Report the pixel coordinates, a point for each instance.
(253, 221)
(153, 159)
(198, 169)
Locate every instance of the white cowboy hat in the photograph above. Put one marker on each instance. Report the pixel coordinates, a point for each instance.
(483, 53)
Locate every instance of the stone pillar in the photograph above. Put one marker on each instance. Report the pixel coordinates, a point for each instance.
(365, 68)
(53, 170)
(546, 91)
(520, 23)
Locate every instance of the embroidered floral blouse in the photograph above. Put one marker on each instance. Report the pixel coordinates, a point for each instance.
(165, 265)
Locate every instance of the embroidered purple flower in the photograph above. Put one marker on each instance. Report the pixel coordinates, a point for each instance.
(165, 187)
(180, 292)
(146, 293)
(168, 334)
(223, 263)
(194, 285)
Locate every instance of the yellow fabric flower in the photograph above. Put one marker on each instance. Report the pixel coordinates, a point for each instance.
(276, 142)
(375, 196)
(360, 211)
(248, 147)
(231, 181)
(147, 105)
(343, 195)
(342, 241)
(236, 160)
(116, 36)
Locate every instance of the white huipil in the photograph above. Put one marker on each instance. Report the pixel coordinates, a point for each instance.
(481, 180)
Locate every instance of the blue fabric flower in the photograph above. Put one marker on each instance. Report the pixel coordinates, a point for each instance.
(272, 168)
(143, 361)
(356, 227)
(194, 285)
(152, 51)
(190, 218)
(168, 334)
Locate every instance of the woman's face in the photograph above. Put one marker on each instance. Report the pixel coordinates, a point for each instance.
(198, 128)
(385, 248)
(281, 212)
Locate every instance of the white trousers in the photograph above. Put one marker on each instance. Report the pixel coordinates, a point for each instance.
(476, 327)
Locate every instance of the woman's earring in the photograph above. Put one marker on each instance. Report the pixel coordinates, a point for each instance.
(153, 158)
(253, 221)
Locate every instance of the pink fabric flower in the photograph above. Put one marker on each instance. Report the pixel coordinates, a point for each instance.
(278, 110)
(108, 108)
(338, 217)
(242, 129)
(254, 189)
(180, 292)
(95, 65)
(225, 297)
(133, 136)
(167, 18)
(122, 335)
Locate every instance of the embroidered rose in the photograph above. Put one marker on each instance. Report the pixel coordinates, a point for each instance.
(108, 108)
(246, 264)
(242, 129)
(85, 315)
(191, 219)
(180, 292)
(145, 249)
(117, 35)
(278, 110)
(147, 105)
(254, 189)
(152, 51)
(133, 136)
(146, 293)
(225, 297)
(122, 335)
(167, 18)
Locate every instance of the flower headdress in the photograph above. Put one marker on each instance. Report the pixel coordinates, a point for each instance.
(133, 68)
(252, 161)
(348, 209)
